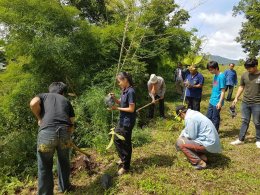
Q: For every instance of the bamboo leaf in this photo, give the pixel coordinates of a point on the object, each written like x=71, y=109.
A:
x=177, y=118
x=111, y=133
x=197, y=59
x=111, y=142
x=120, y=136
x=187, y=61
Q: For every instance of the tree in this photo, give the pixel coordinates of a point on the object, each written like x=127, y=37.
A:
x=81, y=43
x=93, y=10
x=249, y=35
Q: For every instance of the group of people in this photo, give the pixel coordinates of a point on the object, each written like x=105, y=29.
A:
x=200, y=134
x=55, y=117
x=192, y=84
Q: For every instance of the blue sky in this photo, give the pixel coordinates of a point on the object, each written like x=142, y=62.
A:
x=214, y=20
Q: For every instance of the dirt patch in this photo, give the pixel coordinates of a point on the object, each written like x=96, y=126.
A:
x=84, y=163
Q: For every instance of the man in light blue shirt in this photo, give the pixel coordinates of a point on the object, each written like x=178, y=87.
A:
x=231, y=80
x=217, y=94
x=198, y=137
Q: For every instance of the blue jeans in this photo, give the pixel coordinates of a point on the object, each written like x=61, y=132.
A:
x=247, y=110
x=214, y=115
x=51, y=139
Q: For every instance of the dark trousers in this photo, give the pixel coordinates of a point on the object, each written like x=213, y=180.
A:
x=214, y=115
x=247, y=110
x=49, y=140
x=124, y=147
x=194, y=103
x=230, y=91
x=192, y=150
x=161, y=108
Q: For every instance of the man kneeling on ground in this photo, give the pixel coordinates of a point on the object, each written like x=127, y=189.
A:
x=198, y=137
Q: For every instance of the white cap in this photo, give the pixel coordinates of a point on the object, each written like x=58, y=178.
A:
x=153, y=79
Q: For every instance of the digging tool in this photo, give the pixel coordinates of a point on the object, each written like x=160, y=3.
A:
x=72, y=145
x=184, y=98
x=147, y=105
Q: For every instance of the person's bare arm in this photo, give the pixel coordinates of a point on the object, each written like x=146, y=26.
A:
x=222, y=96
x=72, y=128
x=131, y=108
x=197, y=86
x=72, y=120
x=35, y=106
x=117, y=101
x=238, y=94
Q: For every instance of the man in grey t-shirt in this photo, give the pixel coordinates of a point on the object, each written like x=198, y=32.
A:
x=55, y=117
x=250, y=85
x=156, y=89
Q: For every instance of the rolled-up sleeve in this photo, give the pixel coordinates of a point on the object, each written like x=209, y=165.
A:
x=163, y=87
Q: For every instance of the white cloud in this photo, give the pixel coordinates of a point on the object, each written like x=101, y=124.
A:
x=214, y=20
x=222, y=21
x=224, y=28
x=221, y=43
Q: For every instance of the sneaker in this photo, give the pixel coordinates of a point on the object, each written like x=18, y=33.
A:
x=121, y=171
x=237, y=142
x=201, y=165
x=258, y=144
x=71, y=188
x=120, y=162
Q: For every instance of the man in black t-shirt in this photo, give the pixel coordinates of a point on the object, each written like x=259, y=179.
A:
x=55, y=117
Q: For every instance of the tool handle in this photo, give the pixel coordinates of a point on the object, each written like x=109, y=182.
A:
x=146, y=105
x=78, y=149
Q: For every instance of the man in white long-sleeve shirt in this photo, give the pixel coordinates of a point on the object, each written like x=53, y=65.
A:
x=197, y=138
x=156, y=89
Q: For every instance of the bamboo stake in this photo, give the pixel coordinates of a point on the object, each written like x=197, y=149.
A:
x=122, y=47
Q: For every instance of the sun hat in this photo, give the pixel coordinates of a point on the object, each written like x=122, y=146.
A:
x=153, y=79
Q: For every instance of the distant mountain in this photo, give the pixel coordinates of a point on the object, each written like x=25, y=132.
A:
x=222, y=60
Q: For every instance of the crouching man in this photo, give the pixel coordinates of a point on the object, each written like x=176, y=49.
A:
x=55, y=117
x=197, y=138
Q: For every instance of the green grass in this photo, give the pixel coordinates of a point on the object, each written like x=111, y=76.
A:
x=158, y=169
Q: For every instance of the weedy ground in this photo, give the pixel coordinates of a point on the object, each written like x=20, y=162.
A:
x=157, y=168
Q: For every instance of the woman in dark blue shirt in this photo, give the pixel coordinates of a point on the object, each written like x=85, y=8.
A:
x=126, y=120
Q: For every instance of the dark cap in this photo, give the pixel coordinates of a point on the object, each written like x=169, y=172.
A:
x=180, y=108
